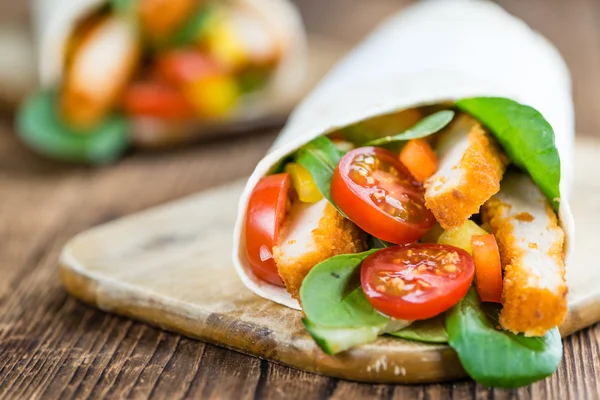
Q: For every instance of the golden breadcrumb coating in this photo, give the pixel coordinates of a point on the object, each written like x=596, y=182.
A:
x=531, y=244
x=91, y=87
x=471, y=167
x=334, y=235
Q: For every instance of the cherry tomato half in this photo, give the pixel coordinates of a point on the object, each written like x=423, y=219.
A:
x=185, y=66
x=372, y=187
x=157, y=100
x=416, y=281
x=264, y=216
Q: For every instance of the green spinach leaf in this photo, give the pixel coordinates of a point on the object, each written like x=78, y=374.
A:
x=338, y=315
x=331, y=294
x=358, y=134
x=127, y=8
x=320, y=157
x=525, y=136
x=41, y=127
x=495, y=357
x=376, y=243
x=427, y=126
x=190, y=30
x=429, y=331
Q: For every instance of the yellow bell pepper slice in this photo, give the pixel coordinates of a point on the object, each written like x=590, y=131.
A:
x=224, y=45
x=214, y=96
x=305, y=186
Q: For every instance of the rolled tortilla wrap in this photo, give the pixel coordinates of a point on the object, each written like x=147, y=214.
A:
x=55, y=20
x=435, y=51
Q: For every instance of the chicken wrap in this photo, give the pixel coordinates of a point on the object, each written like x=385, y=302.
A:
x=157, y=72
x=421, y=191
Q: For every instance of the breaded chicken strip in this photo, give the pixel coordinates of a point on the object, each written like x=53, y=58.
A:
x=160, y=18
x=471, y=165
x=531, y=244
x=313, y=233
x=101, y=64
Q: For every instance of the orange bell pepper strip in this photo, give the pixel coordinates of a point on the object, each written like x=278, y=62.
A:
x=488, y=269
x=420, y=159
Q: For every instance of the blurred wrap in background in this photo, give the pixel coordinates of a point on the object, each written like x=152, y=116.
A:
x=54, y=346
x=148, y=115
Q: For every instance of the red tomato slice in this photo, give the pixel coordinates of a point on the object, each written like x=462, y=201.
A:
x=185, y=66
x=416, y=281
x=264, y=216
x=372, y=187
x=155, y=99
x=488, y=269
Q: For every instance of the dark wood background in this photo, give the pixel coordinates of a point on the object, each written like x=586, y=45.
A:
x=52, y=346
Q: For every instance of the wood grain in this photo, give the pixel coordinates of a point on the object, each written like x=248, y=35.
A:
x=52, y=346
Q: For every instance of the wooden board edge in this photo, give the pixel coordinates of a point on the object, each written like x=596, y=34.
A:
x=581, y=315
x=442, y=364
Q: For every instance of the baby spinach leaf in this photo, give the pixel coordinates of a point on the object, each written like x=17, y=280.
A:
x=253, y=79
x=495, y=357
x=331, y=294
x=335, y=340
x=427, y=126
x=376, y=243
x=190, y=30
x=41, y=127
x=320, y=157
x=429, y=331
x=526, y=137
x=359, y=134
x=125, y=8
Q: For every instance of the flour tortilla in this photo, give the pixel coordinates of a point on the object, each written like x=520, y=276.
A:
x=55, y=20
x=433, y=52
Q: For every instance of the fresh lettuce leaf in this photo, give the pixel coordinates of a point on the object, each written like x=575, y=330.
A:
x=127, y=8
x=190, y=30
x=331, y=294
x=320, y=157
x=376, y=243
x=427, y=126
x=495, y=357
x=41, y=127
x=338, y=315
x=526, y=137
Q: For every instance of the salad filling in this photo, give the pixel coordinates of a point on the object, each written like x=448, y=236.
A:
x=441, y=231
x=158, y=61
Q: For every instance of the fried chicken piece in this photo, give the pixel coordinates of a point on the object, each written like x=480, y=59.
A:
x=160, y=18
x=313, y=232
x=98, y=69
x=531, y=244
x=471, y=165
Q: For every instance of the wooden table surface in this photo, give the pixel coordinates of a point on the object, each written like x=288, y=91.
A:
x=52, y=346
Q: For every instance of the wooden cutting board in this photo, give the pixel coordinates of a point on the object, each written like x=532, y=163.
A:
x=171, y=267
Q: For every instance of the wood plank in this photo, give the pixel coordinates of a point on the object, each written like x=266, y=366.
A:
x=222, y=374
x=43, y=203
